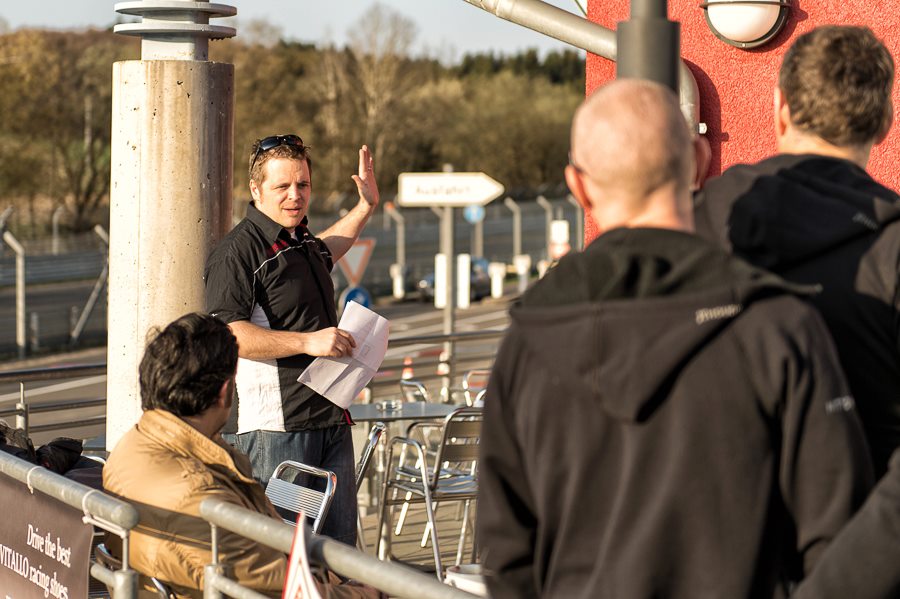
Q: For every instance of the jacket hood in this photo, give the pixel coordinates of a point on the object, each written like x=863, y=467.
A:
x=793, y=207
x=666, y=294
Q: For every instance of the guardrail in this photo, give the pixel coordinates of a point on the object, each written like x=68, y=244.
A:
x=384, y=383
x=120, y=517
x=101, y=510
x=391, y=578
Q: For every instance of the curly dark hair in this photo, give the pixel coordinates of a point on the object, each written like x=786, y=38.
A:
x=837, y=82
x=186, y=364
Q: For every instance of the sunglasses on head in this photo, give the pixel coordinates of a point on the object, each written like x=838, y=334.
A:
x=273, y=141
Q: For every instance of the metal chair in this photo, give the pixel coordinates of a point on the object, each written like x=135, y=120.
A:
x=362, y=468
x=450, y=476
x=290, y=497
x=474, y=382
x=106, y=559
x=413, y=390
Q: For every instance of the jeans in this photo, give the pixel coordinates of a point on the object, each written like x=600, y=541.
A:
x=329, y=448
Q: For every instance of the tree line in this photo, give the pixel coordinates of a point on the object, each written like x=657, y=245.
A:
x=506, y=115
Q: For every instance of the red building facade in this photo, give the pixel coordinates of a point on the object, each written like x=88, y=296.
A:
x=736, y=85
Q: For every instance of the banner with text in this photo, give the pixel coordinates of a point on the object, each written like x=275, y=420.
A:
x=45, y=547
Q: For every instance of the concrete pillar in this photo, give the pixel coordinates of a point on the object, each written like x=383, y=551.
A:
x=172, y=148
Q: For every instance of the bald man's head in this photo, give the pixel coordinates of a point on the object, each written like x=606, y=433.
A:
x=629, y=139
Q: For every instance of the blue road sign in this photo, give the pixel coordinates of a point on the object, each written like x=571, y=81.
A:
x=473, y=213
x=355, y=294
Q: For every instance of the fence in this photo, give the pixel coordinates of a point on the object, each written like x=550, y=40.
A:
x=100, y=510
x=120, y=517
x=394, y=579
x=53, y=313
x=384, y=384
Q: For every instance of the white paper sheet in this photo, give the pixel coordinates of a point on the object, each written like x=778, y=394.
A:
x=341, y=379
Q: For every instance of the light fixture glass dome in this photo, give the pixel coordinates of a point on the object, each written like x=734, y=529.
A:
x=746, y=23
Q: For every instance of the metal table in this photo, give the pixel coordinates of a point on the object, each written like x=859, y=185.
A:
x=415, y=410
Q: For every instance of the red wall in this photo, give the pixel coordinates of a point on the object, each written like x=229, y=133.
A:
x=736, y=85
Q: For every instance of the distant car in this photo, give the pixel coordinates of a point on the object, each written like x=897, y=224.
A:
x=479, y=282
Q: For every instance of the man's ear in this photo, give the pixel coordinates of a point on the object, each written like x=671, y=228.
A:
x=782, y=114
x=702, y=159
x=223, y=399
x=886, y=127
x=576, y=186
x=254, y=190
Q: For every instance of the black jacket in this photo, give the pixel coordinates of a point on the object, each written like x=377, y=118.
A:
x=820, y=220
x=862, y=562
x=663, y=420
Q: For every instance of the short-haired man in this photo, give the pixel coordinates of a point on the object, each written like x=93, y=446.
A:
x=813, y=215
x=174, y=458
x=662, y=420
x=269, y=279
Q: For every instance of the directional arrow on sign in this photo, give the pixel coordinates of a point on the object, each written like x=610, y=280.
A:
x=446, y=189
x=353, y=263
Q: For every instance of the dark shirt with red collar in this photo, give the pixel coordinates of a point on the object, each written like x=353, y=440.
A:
x=261, y=274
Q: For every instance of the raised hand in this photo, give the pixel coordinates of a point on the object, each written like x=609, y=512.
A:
x=365, y=179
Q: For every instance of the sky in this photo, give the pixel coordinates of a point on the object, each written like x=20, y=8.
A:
x=446, y=28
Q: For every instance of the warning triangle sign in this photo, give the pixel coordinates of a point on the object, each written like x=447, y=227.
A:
x=353, y=264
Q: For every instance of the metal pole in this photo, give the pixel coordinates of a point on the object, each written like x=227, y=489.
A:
x=447, y=234
x=478, y=239
x=649, y=44
x=581, y=33
x=398, y=269
x=22, y=410
x=35, y=326
x=579, y=221
x=99, y=284
x=55, y=222
x=395, y=215
x=13, y=243
x=4, y=217
x=517, y=225
x=548, y=219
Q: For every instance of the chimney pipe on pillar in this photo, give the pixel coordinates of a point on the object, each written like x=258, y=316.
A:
x=648, y=45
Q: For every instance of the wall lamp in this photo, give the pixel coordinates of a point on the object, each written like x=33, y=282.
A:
x=746, y=23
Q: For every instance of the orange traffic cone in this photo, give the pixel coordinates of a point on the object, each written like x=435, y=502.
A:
x=407, y=369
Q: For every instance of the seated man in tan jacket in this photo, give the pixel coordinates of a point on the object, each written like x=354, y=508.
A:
x=174, y=458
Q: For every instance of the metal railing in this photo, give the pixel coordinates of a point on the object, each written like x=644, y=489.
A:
x=100, y=509
x=383, y=385
x=391, y=578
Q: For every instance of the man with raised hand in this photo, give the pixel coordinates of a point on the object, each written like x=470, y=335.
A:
x=270, y=280
x=812, y=215
x=663, y=420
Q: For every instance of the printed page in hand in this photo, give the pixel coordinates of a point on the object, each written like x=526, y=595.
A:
x=341, y=379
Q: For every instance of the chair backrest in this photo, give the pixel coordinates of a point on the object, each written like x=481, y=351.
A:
x=460, y=438
x=293, y=497
x=111, y=562
x=413, y=390
x=368, y=450
x=473, y=383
